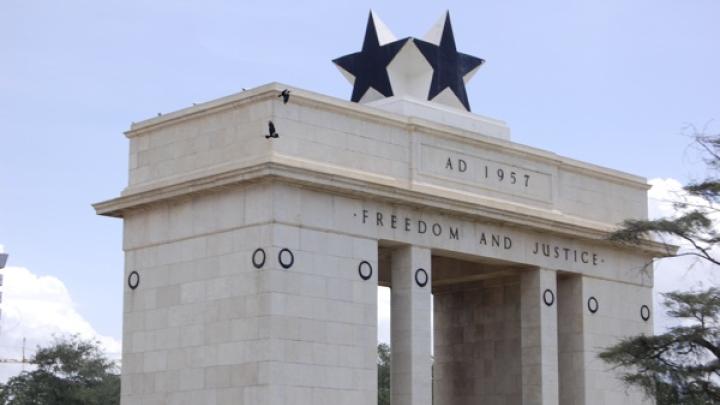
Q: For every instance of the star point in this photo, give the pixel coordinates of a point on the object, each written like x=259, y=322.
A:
x=449, y=66
x=368, y=67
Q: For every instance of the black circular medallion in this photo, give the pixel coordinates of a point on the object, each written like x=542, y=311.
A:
x=365, y=270
x=645, y=312
x=133, y=280
x=421, y=277
x=286, y=258
x=548, y=297
x=593, y=305
x=258, y=258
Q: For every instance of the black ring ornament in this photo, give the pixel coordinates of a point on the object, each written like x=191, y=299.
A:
x=285, y=263
x=365, y=275
x=593, y=305
x=421, y=277
x=258, y=263
x=133, y=280
x=645, y=312
x=548, y=297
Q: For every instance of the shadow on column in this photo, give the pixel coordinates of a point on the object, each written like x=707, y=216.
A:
x=477, y=332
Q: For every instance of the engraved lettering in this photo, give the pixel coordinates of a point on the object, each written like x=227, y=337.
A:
x=546, y=250
x=584, y=257
x=485, y=239
x=454, y=233
x=422, y=226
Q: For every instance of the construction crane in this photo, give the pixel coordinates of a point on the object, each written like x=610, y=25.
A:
x=22, y=361
x=3, y=260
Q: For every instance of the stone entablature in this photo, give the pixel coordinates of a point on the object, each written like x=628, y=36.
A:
x=349, y=146
x=304, y=208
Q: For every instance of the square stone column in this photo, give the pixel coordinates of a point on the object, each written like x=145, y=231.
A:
x=410, y=329
x=539, y=337
x=571, y=340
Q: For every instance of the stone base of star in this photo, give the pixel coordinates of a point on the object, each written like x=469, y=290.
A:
x=444, y=115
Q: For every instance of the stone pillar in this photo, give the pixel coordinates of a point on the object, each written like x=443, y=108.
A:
x=571, y=340
x=538, y=301
x=410, y=329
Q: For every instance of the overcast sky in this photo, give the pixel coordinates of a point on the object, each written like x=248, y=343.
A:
x=612, y=82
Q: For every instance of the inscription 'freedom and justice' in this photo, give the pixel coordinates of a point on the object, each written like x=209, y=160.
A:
x=486, y=239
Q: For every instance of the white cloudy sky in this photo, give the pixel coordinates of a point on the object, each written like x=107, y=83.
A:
x=37, y=308
x=682, y=273
x=551, y=69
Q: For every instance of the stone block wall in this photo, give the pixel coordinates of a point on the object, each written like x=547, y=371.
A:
x=206, y=326
x=477, y=343
x=582, y=334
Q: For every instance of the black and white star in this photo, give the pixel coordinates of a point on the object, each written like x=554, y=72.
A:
x=431, y=69
x=450, y=67
x=369, y=66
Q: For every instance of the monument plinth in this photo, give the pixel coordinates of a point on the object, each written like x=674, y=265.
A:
x=252, y=262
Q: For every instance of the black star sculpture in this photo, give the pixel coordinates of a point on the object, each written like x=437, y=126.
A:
x=369, y=66
x=449, y=65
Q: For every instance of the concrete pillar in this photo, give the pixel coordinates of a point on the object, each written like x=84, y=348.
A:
x=410, y=330
x=539, y=337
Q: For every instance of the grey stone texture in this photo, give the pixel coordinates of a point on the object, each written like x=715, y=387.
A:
x=477, y=343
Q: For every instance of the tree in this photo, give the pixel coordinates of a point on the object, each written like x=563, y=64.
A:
x=682, y=365
x=695, y=222
x=383, y=374
x=70, y=371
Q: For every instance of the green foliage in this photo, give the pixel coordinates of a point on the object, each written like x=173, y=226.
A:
x=71, y=371
x=383, y=374
x=694, y=223
x=695, y=227
x=680, y=366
